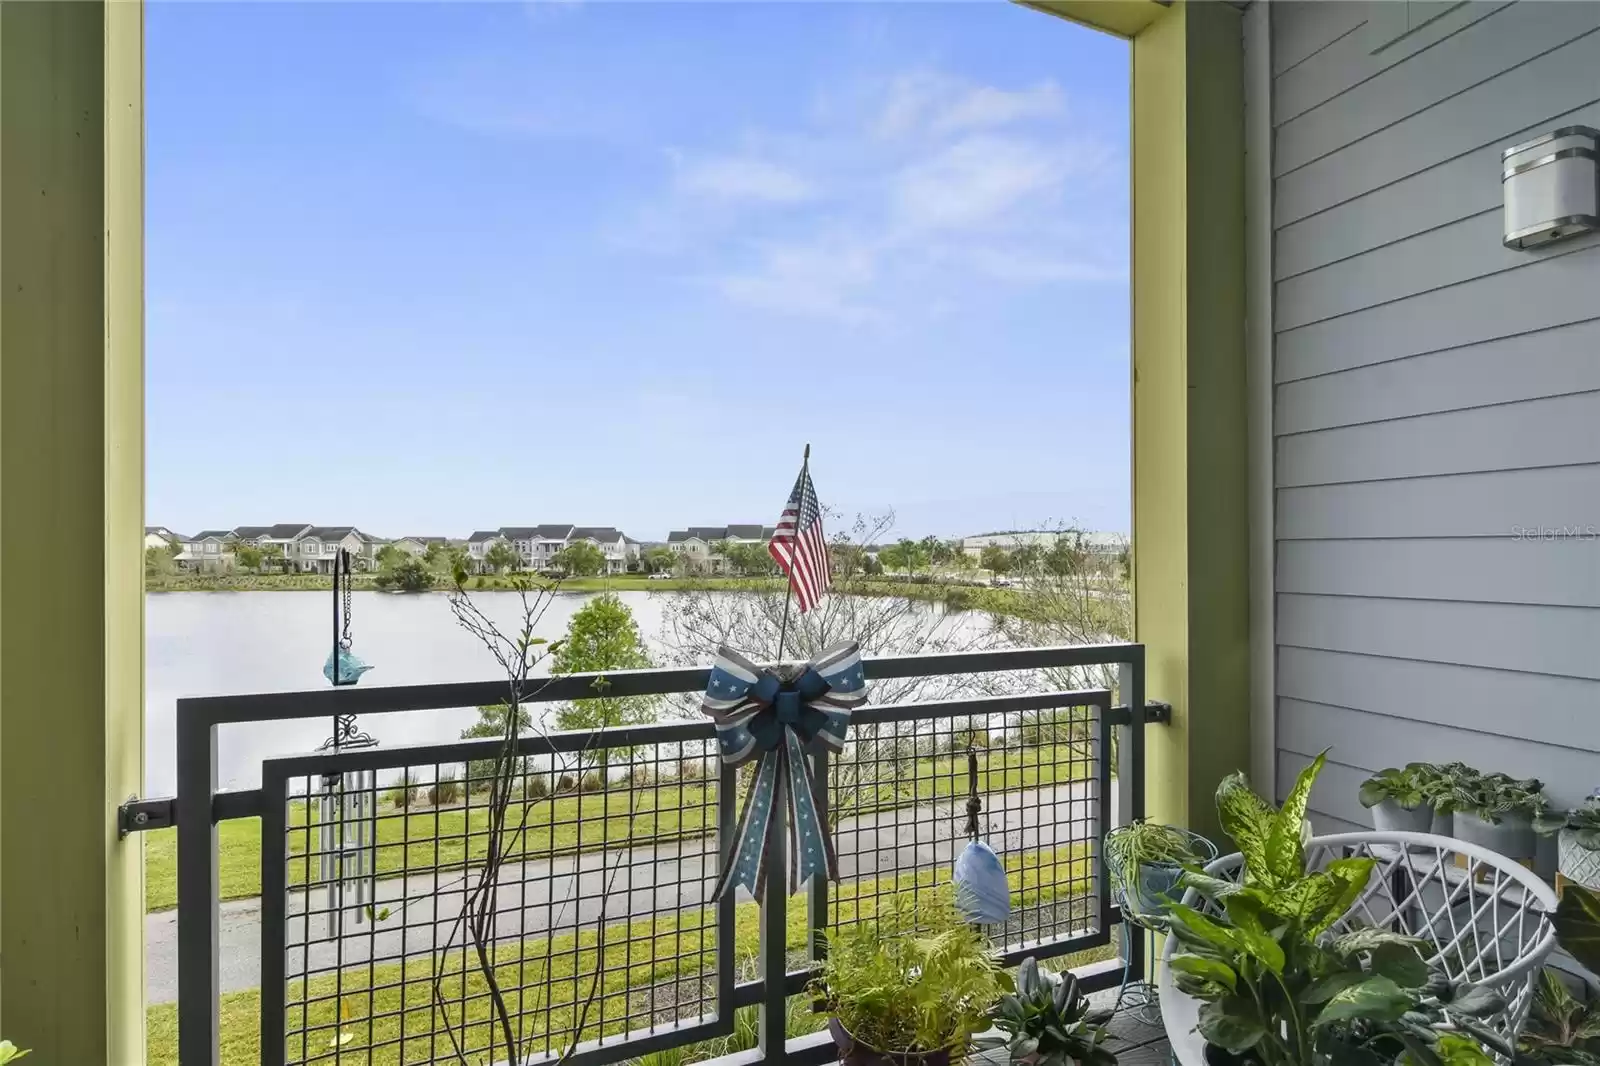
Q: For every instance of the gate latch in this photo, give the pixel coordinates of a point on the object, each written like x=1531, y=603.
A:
x=137, y=815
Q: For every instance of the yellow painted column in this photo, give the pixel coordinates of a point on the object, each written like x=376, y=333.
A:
x=1190, y=513
x=71, y=499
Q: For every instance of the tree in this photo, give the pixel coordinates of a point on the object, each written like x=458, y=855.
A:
x=659, y=560
x=502, y=557
x=248, y=557
x=158, y=562
x=1073, y=597
x=446, y=559
x=580, y=559
x=493, y=721
x=271, y=557
x=603, y=636
x=409, y=575
x=389, y=556
x=996, y=560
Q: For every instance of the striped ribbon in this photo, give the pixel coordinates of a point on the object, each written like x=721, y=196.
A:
x=762, y=715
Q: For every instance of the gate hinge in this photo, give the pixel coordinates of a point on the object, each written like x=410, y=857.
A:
x=137, y=815
x=1156, y=711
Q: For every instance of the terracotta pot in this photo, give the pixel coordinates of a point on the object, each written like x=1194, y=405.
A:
x=854, y=1053
x=1390, y=817
x=1512, y=836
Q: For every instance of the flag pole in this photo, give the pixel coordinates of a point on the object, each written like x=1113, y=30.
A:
x=788, y=592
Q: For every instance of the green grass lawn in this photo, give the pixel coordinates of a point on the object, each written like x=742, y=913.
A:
x=429, y=839
x=402, y=992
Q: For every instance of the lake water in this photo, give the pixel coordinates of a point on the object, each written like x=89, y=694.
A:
x=221, y=643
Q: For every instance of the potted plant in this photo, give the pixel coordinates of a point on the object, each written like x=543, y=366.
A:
x=1439, y=789
x=1147, y=858
x=1047, y=1021
x=1396, y=800
x=1276, y=987
x=1577, y=834
x=909, y=987
x=1561, y=1029
x=1496, y=811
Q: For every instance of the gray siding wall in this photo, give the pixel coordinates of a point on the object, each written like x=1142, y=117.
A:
x=1433, y=392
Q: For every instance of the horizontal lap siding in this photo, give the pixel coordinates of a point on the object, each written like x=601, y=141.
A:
x=1436, y=400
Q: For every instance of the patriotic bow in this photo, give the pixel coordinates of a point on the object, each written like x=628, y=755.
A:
x=759, y=713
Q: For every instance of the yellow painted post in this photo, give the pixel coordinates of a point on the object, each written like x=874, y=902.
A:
x=71, y=488
x=1190, y=510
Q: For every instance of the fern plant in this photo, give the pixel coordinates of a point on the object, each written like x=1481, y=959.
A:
x=915, y=979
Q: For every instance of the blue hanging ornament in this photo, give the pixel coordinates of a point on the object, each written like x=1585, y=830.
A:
x=344, y=667
x=982, y=895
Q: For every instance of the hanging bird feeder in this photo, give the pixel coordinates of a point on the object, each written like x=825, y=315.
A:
x=982, y=895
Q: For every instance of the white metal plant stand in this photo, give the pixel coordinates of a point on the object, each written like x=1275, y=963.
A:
x=1484, y=919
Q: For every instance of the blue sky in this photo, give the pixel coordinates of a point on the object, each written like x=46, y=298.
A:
x=430, y=268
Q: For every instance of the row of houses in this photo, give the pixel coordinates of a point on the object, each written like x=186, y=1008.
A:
x=307, y=548
x=537, y=546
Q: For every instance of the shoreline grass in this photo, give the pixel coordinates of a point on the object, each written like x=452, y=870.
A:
x=667, y=813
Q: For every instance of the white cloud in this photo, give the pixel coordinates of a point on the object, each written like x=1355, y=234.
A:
x=972, y=182
x=986, y=105
x=924, y=103
x=823, y=279
x=895, y=199
x=739, y=178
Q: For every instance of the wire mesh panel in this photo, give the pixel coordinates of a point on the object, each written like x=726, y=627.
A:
x=497, y=912
x=900, y=800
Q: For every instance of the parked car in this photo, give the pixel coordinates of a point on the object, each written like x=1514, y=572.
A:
x=660, y=575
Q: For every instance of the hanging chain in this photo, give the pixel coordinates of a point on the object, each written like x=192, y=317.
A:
x=344, y=561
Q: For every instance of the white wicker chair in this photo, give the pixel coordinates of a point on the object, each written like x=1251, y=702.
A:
x=1485, y=919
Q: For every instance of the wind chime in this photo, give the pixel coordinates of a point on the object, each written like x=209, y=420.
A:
x=345, y=808
x=982, y=895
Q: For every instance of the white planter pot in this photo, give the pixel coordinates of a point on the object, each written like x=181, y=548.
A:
x=1444, y=825
x=1577, y=863
x=1512, y=836
x=1390, y=817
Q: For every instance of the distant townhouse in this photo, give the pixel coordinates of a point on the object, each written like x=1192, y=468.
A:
x=612, y=544
x=699, y=545
x=418, y=546
x=208, y=551
x=478, y=546
x=161, y=537
x=317, y=548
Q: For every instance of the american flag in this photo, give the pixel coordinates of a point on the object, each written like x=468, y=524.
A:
x=800, y=546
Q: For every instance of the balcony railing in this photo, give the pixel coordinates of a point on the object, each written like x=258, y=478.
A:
x=599, y=928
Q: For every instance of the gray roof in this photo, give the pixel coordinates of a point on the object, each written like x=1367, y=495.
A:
x=605, y=534
x=425, y=540
x=333, y=532
x=519, y=532
x=163, y=531
x=482, y=535
x=213, y=534
x=556, y=531
x=251, y=531
x=745, y=532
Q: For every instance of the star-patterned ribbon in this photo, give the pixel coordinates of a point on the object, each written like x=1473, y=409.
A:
x=759, y=714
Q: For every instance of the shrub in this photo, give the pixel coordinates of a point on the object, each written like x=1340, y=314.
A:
x=445, y=790
x=566, y=783
x=535, y=786
x=691, y=769
x=404, y=794
x=593, y=781
x=641, y=775
x=960, y=599
x=480, y=775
